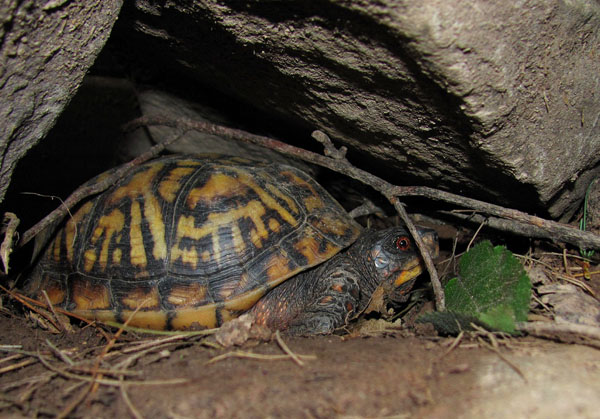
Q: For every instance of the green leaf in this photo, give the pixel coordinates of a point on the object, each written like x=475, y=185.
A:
x=492, y=287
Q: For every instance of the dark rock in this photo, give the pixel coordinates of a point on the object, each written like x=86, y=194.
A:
x=46, y=47
x=492, y=99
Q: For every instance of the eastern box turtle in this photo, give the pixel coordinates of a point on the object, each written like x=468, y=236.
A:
x=193, y=242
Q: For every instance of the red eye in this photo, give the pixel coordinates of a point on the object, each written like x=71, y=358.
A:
x=403, y=243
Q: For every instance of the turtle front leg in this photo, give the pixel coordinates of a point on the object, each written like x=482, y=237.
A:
x=316, y=302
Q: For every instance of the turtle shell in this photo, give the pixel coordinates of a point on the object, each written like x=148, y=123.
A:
x=185, y=242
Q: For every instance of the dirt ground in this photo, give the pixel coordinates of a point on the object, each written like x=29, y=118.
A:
x=392, y=374
x=403, y=371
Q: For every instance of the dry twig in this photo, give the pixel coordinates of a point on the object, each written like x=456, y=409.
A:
x=63, y=356
x=508, y=362
x=134, y=412
x=82, y=371
x=17, y=366
x=564, y=332
x=287, y=350
x=107, y=381
x=9, y=229
x=252, y=355
x=58, y=322
x=493, y=345
x=559, y=231
x=454, y=344
x=32, y=304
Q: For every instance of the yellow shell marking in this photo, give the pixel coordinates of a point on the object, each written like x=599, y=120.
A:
x=116, y=256
x=89, y=258
x=311, y=202
x=326, y=223
x=87, y=296
x=267, y=199
x=56, y=248
x=143, y=319
x=219, y=184
x=141, y=299
x=137, y=186
x=186, y=228
x=102, y=315
x=56, y=295
x=279, y=194
x=153, y=214
x=170, y=185
x=187, y=295
x=309, y=247
x=274, y=225
x=138, y=252
x=202, y=316
x=187, y=256
x=223, y=185
x=188, y=162
x=278, y=268
x=140, y=186
x=107, y=226
x=245, y=301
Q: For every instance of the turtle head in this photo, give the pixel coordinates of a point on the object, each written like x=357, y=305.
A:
x=393, y=260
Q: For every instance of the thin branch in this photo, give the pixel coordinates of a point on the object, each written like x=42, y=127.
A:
x=539, y=227
x=454, y=344
x=17, y=366
x=64, y=357
x=61, y=327
x=508, y=362
x=564, y=332
x=542, y=227
x=440, y=302
x=31, y=304
x=287, y=350
x=132, y=409
x=9, y=229
x=110, y=382
x=252, y=355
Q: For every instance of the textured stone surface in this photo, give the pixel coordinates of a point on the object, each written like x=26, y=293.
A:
x=494, y=99
x=556, y=381
x=46, y=47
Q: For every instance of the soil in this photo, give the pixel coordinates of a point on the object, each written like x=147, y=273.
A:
x=385, y=370
x=390, y=374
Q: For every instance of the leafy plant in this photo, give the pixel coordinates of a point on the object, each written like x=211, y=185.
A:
x=492, y=290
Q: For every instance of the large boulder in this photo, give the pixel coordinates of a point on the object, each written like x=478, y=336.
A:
x=493, y=99
x=46, y=48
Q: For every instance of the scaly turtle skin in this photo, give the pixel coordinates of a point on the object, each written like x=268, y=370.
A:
x=193, y=242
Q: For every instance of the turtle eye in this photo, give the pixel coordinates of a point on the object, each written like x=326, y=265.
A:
x=403, y=243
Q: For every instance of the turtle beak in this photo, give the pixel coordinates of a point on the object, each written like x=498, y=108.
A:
x=409, y=273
